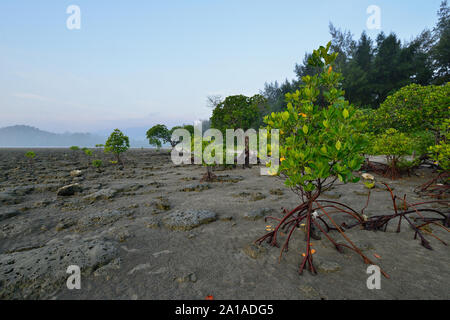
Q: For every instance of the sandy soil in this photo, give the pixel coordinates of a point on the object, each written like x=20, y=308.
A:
x=120, y=227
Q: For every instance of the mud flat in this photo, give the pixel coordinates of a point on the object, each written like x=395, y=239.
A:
x=151, y=230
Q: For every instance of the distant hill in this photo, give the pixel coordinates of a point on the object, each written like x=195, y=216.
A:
x=27, y=136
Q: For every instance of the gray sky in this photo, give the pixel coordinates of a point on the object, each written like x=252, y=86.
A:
x=138, y=63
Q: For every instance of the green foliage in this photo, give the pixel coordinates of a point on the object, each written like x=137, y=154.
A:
x=317, y=143
x=414, y=108
x=74, y=148
x=238, y=112
x=87, y=152
x=159, y=135
x=117, y=143
x=99, y=145
x=369, y=184
x=373, y=70
x=440, y=153
x=97, y=163
x=30, y=155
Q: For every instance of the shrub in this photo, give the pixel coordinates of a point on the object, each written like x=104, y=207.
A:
x=30, y=155
x=394, y=145
x=414, y=108
x=440, y=153
x=74, y=148
x=97, y=163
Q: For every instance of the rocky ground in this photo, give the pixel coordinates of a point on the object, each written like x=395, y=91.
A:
x=151, y=230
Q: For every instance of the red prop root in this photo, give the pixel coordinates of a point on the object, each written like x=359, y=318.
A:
x=315, y=215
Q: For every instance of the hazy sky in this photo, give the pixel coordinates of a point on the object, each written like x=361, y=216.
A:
x=137, y=63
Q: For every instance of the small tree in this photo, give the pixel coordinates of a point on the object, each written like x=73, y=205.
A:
x=159, y=135
x=117, y=143
x=30, y=155
x=318, y=145
x=395, y=146
x=88, y=153
x=97, y=163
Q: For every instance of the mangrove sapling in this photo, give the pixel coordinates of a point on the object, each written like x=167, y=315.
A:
x=439, y=186
x=30, y=155
x=395, y=146
x=97, y=163
x=318, y=146
x=117, y=143
x=88, y=154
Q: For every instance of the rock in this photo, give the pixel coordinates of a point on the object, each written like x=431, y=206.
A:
x=108, y=269
x=104, y=194
x=130, y=187
x=62, y=225
x=254, y=251
x=328, y=266
x=161, y=203
x=69, y=190
x=8, y=198
x=310, y=292
x=191, y=277
x=332, y=195
x=195, y=187
x=257, y=214
x=368, y=176
x=151, y=222
x=94, y=220
x=276, y=192
x=140, y=267
x=33, y=274
x=9, y=214
x=76, y=173
x=226, y=217
x=41, y=204
x=157, y=254
x=255, y=196
x=21, y=190
x=159, y=270
x=188, y=219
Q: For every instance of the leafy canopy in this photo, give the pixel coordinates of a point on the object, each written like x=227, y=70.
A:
x=159, y=134
x=317, y=143
x=238, y=112
x=117, y=143
x=414, y=108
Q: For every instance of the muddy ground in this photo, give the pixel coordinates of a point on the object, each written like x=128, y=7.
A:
x=151, y=230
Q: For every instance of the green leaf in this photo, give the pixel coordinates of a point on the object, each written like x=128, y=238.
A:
x=338, y=145
x=305, y=129
x=325, y=123
x=345, y=113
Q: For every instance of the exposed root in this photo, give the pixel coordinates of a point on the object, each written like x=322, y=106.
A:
x=316, y=215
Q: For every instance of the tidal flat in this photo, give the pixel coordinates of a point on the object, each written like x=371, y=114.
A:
x=152, y=230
